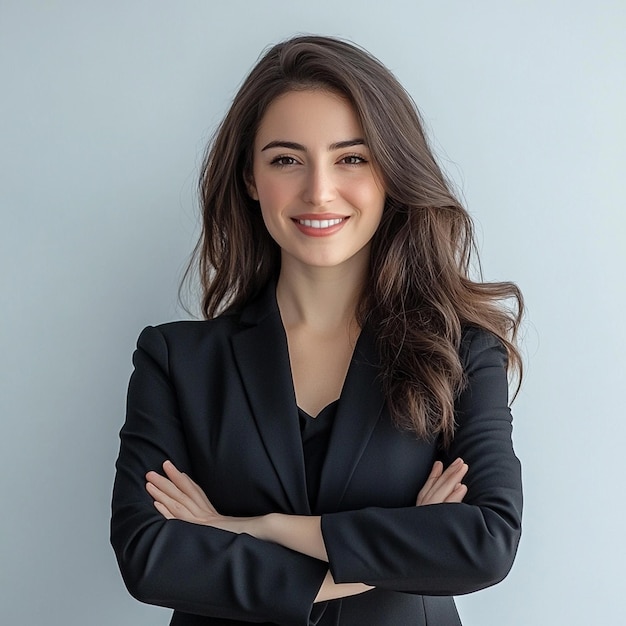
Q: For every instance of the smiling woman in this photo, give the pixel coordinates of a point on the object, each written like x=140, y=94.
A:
x=332, y=445
x=320, y=196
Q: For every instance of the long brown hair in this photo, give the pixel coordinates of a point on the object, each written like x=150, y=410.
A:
x=420, y=294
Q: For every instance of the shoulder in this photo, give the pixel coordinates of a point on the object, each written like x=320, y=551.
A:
x=194, y=330
x=184, y=339
x=481, y=348
x=184, y=342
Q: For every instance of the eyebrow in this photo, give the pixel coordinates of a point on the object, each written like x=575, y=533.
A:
x=292, y=145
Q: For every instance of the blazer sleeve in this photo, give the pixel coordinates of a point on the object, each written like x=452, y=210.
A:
x=188, y=567
x=453, y=548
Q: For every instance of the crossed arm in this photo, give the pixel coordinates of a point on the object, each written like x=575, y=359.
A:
x=176, y=496
x=197, y=568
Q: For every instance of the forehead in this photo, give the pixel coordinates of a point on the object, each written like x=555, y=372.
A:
x=309, y=116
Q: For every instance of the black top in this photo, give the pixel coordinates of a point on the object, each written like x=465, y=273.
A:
x=216, y=397
x=315, y=433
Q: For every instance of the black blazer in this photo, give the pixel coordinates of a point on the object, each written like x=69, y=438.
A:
x=216, y=397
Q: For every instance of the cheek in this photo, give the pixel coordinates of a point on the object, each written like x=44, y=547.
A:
x=272, y=195
x=271, y=205
x=370, y=200
x=365, y=192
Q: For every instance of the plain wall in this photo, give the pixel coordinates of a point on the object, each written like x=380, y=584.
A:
x=105, y=109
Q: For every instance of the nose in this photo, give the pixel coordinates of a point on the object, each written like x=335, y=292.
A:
x=319, y=187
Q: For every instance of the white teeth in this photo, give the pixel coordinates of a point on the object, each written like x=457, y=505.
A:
x=321, y=223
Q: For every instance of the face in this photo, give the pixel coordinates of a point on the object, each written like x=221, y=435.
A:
x=320, y=195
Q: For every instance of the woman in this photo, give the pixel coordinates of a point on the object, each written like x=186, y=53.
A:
x=332, y=445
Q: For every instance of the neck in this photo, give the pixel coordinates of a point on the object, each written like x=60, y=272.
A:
x=322, y=299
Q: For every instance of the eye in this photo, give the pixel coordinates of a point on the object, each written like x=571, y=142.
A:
x=283, y=161
x=353, y=159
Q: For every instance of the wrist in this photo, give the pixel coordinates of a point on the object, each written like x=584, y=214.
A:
x=257, y=526
x=265, y=527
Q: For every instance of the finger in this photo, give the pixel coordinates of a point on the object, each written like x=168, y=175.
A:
x=457, y=494
x=438, y=475
x=166, y=486
x=453, y=471
x=448, y=481
x=165, y=504
x=190, y=487
x=163, y=510
x=162, y=496
x=186, y=485
x=177, y=477
x=164, y=489
x=457, y=468
x=444, y=485
x=178, y=490
x=435, y=473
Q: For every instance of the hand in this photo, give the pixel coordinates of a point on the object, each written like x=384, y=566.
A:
x=444, y=486
x=179, y=497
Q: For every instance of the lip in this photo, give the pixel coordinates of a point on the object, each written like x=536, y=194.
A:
x=310, y=231
x=319, y=216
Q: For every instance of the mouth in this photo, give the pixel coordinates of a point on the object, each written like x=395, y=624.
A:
x=311, y=226
x=321, y=224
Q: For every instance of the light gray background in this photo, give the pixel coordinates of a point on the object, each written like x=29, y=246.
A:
x=104, y=112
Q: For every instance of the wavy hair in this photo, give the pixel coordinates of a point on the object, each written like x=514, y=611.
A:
x=420, y=292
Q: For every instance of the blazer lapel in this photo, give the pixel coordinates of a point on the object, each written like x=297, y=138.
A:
x=262, y=357
x=358, y=412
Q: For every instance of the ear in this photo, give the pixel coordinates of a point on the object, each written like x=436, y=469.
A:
x=251, y=187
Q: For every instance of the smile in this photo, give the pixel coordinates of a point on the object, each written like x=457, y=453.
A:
x=320, y=223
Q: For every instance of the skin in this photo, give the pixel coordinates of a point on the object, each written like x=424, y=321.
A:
x=310, y=160
x=311, y=167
